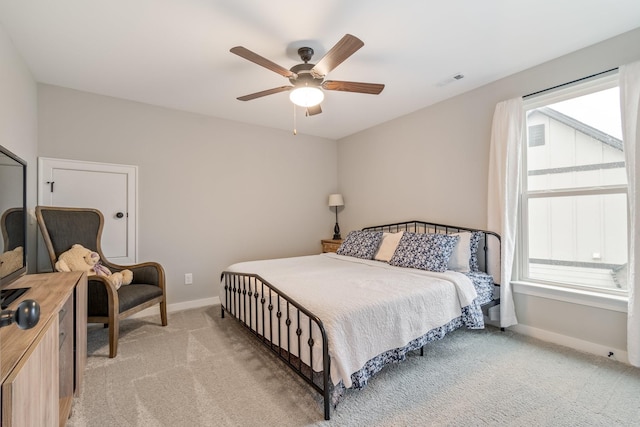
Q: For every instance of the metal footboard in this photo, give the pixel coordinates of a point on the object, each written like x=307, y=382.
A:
x=284, y=326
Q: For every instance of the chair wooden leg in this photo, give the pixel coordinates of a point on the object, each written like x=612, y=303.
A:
x=163, y=313
x=114, y=329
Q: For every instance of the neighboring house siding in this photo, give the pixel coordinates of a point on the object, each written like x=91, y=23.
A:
x=574, y=155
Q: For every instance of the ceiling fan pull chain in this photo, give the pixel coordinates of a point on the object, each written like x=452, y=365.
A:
x=295, y=131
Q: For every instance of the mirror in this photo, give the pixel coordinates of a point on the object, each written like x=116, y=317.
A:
x=13, y=178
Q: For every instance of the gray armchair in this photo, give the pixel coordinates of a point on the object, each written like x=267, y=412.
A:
x=63, y=227
x=12, y=225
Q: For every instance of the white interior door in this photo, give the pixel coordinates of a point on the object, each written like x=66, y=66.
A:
x=112, y=189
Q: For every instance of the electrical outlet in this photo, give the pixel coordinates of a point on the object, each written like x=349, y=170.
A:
x=188, y=278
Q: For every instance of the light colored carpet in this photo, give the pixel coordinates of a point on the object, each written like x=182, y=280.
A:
x=202, y=370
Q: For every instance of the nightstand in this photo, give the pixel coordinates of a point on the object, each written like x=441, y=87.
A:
x=330, y=245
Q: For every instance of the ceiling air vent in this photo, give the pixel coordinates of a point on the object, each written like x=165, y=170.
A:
x=457, y=76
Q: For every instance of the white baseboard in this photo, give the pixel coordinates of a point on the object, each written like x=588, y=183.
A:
x=575, y=343
x=566, y=341
x=178, y=306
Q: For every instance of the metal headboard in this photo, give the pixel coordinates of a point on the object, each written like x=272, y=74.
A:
x=489, y=248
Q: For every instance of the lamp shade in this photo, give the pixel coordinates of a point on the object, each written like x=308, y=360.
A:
x=306, y=96
x=336, y=200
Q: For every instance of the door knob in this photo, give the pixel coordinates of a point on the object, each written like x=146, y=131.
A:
x=119, y=215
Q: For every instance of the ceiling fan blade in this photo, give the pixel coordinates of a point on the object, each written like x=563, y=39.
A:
x=370, y=88
x=346, y=47
x=312, y=111
x=264, y=93
x=264, y=62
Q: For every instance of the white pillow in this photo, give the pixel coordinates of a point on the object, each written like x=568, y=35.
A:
x=459, y=260
x=388, y=246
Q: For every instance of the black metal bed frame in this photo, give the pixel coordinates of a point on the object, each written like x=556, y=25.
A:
x=247, y=296
x=263, y=310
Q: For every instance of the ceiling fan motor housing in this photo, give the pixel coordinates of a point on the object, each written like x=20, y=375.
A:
x=303, y=75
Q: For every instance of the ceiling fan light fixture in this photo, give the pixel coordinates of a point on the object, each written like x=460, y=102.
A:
x=306, y=96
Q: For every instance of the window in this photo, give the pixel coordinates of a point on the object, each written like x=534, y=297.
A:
x=573, y=220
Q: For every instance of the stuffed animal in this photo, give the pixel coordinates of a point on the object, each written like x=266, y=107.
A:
x=10, y=261
x=79, y=258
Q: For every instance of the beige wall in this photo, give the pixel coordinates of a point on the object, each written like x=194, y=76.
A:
x=433, y=165
x=18, y=122
x=211, y=192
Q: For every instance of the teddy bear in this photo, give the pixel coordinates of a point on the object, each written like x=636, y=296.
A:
x=79, y=258
x=11, y=261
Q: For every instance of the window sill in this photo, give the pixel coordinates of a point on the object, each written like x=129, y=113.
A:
x=574, y=296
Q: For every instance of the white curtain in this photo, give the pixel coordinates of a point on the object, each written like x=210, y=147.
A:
x=629, y=106
x=507, y=132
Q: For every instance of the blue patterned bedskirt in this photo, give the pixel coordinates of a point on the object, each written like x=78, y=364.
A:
x=471, y=317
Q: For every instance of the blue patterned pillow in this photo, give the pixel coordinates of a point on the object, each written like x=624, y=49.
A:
x=475, y=241
x=424, y=251
x=360, y=244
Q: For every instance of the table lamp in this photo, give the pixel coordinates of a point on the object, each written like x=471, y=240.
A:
x=336, y=200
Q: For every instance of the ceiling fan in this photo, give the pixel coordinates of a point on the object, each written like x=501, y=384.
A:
x=307, y=80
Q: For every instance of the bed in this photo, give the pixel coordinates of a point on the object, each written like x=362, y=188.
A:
x=336, y=319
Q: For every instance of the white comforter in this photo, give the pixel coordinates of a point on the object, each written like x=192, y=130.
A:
x=367, y=307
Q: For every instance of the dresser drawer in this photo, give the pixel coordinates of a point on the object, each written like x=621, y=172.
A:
x=330, y=245
x=65, y=346
x=65, y=320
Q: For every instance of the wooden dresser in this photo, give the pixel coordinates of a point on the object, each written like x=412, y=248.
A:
x=42, y=367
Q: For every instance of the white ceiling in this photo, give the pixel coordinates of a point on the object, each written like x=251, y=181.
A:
x=175, y=53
